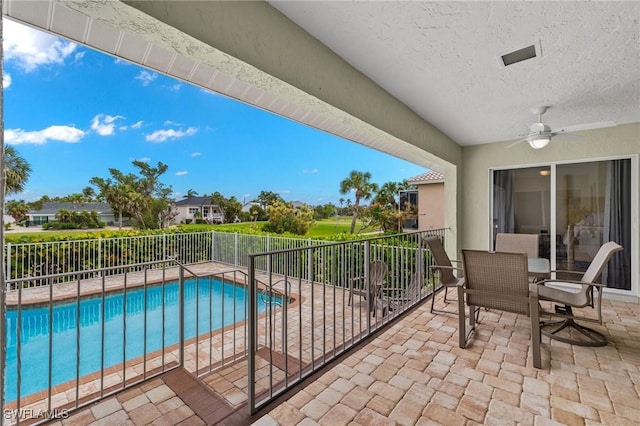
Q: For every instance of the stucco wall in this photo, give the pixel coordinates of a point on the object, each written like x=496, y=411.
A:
x=475, y=191
x=430, y=206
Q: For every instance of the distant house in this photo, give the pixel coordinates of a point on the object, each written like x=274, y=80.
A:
x=429, y=199
x=49, y=210
x=246, y=207
x=198, y=208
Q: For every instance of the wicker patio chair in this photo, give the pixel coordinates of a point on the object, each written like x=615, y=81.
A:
x=578, y=294
x=444, y=269
x=517, y=243
x=498, y=281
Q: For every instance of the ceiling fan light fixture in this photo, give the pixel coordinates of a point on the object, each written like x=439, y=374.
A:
x=539, y=143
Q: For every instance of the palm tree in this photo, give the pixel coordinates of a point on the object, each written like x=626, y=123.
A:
x=190, y=194
x=17, y=170
x=362, y=187
x=386, y=196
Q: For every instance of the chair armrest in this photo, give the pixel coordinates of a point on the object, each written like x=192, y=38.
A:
x=543, y=282
x=564, y=271
x=445, y=267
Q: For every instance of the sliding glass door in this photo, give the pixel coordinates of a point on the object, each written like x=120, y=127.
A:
x=522, y=204
x=574, y=208
x=593, y=206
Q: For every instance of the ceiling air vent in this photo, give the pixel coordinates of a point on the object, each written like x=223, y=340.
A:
x=520, y=55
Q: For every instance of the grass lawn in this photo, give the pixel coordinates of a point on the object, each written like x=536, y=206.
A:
x=322, y=228
x=14, y=236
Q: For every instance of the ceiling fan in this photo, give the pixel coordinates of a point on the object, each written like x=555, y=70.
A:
x=540, y=134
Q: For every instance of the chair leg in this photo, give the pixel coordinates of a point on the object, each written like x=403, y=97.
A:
x=591, y=337
x=535, y=332
x=462, y=332
x=574, y=333
x=433, y=299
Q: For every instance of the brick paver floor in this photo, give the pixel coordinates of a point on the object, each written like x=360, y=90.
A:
x=415, y=373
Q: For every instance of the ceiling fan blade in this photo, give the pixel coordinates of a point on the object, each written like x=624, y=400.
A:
x=586, y=126
x=515, y=143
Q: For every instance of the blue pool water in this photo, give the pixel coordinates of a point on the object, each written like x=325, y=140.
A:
x=34, y=333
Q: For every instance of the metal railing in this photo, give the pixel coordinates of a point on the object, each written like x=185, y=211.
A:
x=79, y=340
x=295, y=340
x=119, y=255
x=148, y=313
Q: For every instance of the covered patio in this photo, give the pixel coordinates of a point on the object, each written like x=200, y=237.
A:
x=449, y=108
x=414, y=373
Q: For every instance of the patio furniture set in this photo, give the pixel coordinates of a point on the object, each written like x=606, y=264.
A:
x=512, y=279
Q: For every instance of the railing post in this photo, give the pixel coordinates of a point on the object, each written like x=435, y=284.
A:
x=8, y=258
x=253, y=302
x=367, y=261
x=181, y=313
x=213, y=246
x=164, y=246
x=235, y=249
x=100, y=256
x=268, y=246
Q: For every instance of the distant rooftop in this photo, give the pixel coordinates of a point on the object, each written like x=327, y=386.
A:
x=52, y=207
x=195, y=201
x=430, y=177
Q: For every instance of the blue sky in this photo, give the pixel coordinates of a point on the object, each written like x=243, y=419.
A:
x=73, y=113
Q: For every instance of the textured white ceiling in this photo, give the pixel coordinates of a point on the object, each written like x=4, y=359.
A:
x=442, y=59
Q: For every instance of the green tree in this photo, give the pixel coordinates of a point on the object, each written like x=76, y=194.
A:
x=17, y=170
x=116, y=193
x=257, y=213
x=143, y=197
x=325, y=211
x=283, y=217
x=385, y=217
x=232, y=209
x=387, y=193
x=190, y=194
x=17, y=210
x=89, y=194
x=267, y=198
x=359, y=183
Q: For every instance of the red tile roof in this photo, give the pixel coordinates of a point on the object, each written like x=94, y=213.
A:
x=429, y=177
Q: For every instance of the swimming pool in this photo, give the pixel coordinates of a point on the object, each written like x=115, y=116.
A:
x=34, y=335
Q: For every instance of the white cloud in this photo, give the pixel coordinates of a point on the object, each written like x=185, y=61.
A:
x=163, y=135
x=6, y=80
x=104, y=124
x=176, y=87
x=67, y=134
x=196, y=154
x=31, y=48
x=137, y=124
x=146, y=77
x=170, y=123
x=144, y=159
x=310, y=171
x=181, y=173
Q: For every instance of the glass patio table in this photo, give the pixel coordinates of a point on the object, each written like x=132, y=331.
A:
x=539, y=268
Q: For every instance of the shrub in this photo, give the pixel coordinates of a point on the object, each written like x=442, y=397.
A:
x=283, y=217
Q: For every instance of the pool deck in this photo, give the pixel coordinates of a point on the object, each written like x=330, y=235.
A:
x=220, y=361
x=411, y=373
x=414, y=373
